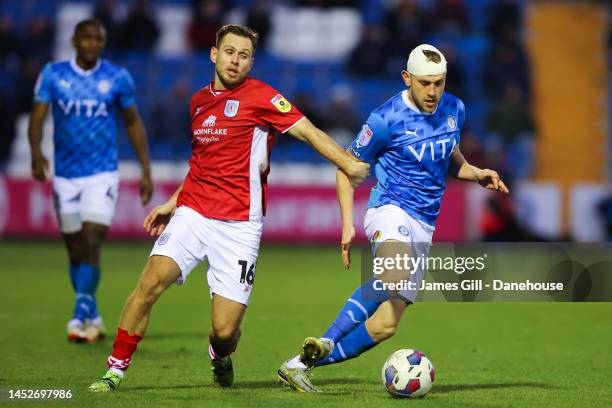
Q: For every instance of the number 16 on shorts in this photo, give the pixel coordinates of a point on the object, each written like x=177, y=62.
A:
x=248, y=272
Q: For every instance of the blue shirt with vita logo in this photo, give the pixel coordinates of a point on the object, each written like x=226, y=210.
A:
x=410, y=151
x=83, y=105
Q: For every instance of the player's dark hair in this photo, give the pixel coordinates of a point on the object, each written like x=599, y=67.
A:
x=238, y=30
x=432, y=56
x=83, y=23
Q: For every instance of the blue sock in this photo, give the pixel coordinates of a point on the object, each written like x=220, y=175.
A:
x=358, y=308
x=87, y=281
x=74, y=272
x=354, y=344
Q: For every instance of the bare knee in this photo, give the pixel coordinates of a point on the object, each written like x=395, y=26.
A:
x=93, y=236
x=75, y=244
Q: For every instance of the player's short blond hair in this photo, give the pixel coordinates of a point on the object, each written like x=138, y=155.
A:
x=432, y=56
x=242, y=31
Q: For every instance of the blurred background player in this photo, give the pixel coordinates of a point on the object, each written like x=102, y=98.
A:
x=84, y=94
x=217, y=213
x=411, y=140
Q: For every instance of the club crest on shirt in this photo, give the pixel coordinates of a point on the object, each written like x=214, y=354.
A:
x=364, y=136
x=281, y=103
x=163, y=238
x=231, y=108
x=104, y=86
x=451, y=122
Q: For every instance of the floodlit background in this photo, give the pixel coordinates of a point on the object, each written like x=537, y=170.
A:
x=535, y=80
x=533, y=75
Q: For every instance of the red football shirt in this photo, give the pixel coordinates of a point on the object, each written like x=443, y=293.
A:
x=233, y=132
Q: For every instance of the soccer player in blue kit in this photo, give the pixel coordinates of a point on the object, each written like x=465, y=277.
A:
x=412, y=141
x=84, y=94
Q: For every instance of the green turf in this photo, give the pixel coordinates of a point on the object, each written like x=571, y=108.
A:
x=485, y=354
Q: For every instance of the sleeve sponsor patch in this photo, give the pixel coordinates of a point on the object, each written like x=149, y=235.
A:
x=364, y=136
x=281, y=103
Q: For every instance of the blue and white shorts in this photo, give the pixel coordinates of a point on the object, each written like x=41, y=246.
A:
x=85, y=199
x=390, y=222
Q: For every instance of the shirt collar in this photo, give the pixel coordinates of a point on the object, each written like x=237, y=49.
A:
x=83, y=72
x=215, y=92
x=212, y=90
x=412, y=106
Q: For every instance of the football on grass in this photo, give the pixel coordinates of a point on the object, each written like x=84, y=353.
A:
x=408, y=374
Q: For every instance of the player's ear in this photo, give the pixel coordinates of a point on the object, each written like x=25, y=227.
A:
x=406, y=77
x=213, y=54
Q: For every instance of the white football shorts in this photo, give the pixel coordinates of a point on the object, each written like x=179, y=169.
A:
x=390, y=222
x=85, y=199
x=230, y=247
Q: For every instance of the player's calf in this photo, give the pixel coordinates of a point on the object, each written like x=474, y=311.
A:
x=224, y=336
x=380, y=331
x=225, y=339
x=384, y=323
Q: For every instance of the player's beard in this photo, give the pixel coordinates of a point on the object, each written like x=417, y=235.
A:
x=229, y=83
x=421, y=104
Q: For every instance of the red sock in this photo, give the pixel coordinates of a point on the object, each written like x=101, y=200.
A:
x=123, y=348
x=214, y=355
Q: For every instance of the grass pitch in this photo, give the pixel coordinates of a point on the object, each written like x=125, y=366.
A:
x=485, y=354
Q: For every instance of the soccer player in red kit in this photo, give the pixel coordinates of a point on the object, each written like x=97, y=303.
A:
x=216, y=214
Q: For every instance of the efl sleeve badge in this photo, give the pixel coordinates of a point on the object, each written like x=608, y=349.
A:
x=281, y=103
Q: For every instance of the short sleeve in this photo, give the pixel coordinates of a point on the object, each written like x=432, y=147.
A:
x=43, y=90
x=278, y=111
x=371, y=140
x=126, y=94
x=461, y=115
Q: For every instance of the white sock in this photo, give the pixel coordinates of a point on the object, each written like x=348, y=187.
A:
x=296, y=363
x=117, y=371
x=333, y=343
x=75, y=323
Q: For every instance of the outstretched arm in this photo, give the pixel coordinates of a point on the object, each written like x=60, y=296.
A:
x=345, y=192
x=40, y=165
x=487, y=178
x=356, y=171
x=138, y=137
